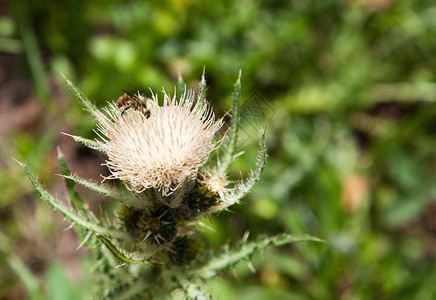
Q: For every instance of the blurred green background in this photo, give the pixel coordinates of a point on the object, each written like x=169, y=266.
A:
x=346, y=89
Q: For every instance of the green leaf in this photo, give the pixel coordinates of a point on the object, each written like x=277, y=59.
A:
x=243, y=251
x=232, y=196
x=74, y=197
x=130, y=290
x=229, y=154
x=202, y=92
x=118, y=253
x=75, y=200
x=76, y=218
x=82, y=98
x=87, y=142
x=190, y=289
x=119, y=194
x=181, y=87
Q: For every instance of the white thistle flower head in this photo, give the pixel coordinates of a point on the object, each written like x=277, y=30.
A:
x=163, y=150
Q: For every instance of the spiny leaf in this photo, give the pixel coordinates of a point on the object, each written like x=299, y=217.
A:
x=117, y=252
x=202, y=91
x=74, y=197
x=127, y=290
x=76, y=201
x=82, y=98
x=188, y=288
x=181, y=88
x=229, y=153
x=119, y=194
x=244, y=250
x=75, y=217
x=232, y=196
x=87, y=142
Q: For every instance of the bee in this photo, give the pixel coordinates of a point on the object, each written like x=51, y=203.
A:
x=137, y=102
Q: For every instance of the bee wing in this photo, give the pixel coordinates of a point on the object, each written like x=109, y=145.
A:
x=130, y=94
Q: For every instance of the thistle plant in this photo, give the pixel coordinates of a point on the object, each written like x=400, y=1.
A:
x=167, y=183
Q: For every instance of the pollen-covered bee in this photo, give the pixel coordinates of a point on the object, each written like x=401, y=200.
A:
x=137, y=102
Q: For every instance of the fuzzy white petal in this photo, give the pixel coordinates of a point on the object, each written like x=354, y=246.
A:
x=162, y=151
